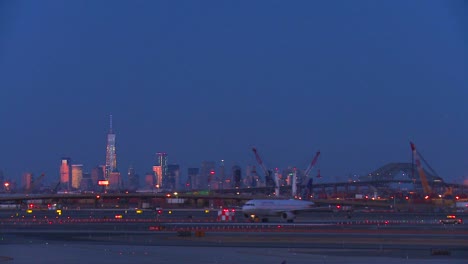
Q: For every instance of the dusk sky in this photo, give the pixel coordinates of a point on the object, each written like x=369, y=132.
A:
x=207, y=80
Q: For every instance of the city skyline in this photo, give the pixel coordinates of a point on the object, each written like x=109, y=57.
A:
x=159, y=170
x=207, y=81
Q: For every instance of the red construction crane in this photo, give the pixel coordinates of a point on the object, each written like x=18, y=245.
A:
x=312, y=164
x=268, y=178
x=422, y=174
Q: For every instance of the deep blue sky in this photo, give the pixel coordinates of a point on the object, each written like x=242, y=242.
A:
x=207, y=80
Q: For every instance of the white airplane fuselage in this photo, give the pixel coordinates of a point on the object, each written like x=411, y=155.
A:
x=287, y=209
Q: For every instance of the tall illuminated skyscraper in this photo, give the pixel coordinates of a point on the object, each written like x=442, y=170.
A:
x=77, y=176
x=161, y=160
x=111, y=158
x=65, y=174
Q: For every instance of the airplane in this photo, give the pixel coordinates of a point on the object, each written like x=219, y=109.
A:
x=256, y=210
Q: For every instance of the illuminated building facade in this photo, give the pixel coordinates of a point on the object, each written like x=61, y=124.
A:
x=111, y=156
x=161, y=160
x=65, y=174
x=157, y=172
x=77, y=176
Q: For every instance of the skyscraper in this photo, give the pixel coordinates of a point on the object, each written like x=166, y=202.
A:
x=115, y=181
x=237, y=176
x=97, y=174
x=133, y=181
x=65, y=174
x=161, y=160
x=157, y=175
x=86, y=182
x=193, y=178
x=111, y=157
x=77, y=175
x=207, y=174
x=172, y=181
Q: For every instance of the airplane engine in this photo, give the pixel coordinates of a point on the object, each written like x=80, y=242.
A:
x=288, y=216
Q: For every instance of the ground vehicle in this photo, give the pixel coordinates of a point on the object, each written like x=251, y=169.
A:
x=451, y=219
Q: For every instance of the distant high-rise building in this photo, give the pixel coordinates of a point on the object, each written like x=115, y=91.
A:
x=86, y=182
x=172, y=181
x=133, y=183
x=221, y=177
x=252, y=179
x=26, y=181
x=77, y=175
x=236, y=176
x=111, y=156
x=158, y=178
x=193, y=178
x=97, y=174
x=65, y=174
x=207, y=174
x=115, y=181
x=161, y=160
x=150, y=181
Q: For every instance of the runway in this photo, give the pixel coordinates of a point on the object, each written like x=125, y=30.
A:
x=332, y=236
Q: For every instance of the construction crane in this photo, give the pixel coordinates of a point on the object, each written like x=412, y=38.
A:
x=422, y=174
x=55, y=190
x=268, y=179
x=312, y=164
x=448, y=190
x=308, y=170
